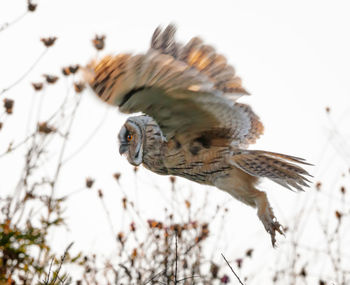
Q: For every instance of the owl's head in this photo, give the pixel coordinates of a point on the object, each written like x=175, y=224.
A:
x=131, y=138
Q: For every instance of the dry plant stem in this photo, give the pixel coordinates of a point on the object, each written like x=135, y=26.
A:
x=232, y=269
x=88, y=139
x=63, y=148
x=175, y=257
x=24, y=74
x=5, y=26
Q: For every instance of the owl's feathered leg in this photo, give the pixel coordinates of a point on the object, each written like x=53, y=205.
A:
x=267, y=217
x=242, y=186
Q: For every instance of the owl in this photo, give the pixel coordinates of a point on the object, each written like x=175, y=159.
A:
x=192, y=125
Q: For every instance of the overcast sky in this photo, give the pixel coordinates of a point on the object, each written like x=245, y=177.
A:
x=293, y=57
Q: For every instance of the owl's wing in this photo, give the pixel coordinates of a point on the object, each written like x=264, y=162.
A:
x=186, y=89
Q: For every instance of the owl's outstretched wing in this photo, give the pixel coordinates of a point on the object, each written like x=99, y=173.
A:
x=186, y=89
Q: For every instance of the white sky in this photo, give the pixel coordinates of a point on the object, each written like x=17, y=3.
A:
x=293, y=57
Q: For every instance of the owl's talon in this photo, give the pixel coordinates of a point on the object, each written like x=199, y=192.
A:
x=271, y=224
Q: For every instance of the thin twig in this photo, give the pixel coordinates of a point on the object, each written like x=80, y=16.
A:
x=232, y=269
x=24, y=75
x=62, y=260
x=6, y=25
x=154, y=277
x=175, y=256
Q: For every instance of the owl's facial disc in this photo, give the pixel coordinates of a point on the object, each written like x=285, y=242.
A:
x=130, y=139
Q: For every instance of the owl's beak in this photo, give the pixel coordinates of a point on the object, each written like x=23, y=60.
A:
x=123, y=148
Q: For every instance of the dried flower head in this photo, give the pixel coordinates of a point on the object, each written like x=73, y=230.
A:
x=37, y=86
x=48, y=42
x=132, y=227
x=124, y=202
x=342, y=190
x=99, y=42
x=214, y=270
x=134, y=254
x=249, y=252
x=303, y=272
x=172, y=179
x=89, y=182
x=79, y=86
x=225, y=279
x=73, y=68
x=239, y=262
x=51, y=79
x=116, y=176
x=338, y=215
x=65, y=71
x=8, y=105
x=120, y=237
x=30, y=6
x=44, y=128
x=318, y=186
x=1, y=124
x=100, y=193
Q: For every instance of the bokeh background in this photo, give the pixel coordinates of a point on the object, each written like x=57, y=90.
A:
x=293, y=58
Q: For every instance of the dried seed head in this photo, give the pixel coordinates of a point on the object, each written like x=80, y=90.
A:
x=124, y=202
x=303, y=272
x=116, y=176
x=214, y=270
x=318, y=186
x=30, y=6
x=136, y=169
x=239, y=262
x=338, y=215
x=249, y=252
x=134, y=254
x=328, y=109
x=89, y=182
x=51, y=79
x=120, y=237
x=100, y=193
x=65, y=71
x=225, y=279
x=343, y=190
x=1, y=124
x=37, y=86
x=73, y=68
x=172, y=179
x=188, y=204
x=8, y=105
x=48, y=42
x=132, y=227
x=79, y=87
x=44, y=128
x=99, y=42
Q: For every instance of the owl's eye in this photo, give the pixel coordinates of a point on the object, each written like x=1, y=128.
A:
x=129, y=137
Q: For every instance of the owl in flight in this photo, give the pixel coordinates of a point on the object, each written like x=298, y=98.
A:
x=193, y=127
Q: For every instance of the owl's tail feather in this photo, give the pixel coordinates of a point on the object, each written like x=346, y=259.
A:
x=280, y=168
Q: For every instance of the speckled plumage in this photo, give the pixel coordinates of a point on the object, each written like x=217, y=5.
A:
x=194, y=128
